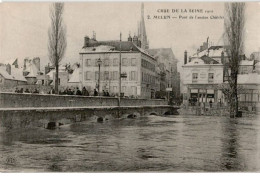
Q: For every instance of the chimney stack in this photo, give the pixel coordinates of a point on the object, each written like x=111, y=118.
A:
x=130, y=38
x=37, y=63
x=185, y=57
x=135, y=40
x=86, y=41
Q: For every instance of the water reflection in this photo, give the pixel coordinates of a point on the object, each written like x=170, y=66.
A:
x=229, y=157
x=145, y=144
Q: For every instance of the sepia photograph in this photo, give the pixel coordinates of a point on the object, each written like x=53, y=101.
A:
x=134, y=87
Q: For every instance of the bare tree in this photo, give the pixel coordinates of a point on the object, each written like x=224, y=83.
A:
x=227, y=91
x=57, y=38
x=234, y=39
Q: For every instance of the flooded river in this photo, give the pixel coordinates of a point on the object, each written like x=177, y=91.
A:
x=173, y=143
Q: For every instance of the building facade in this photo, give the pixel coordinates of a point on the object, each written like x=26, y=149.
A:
x=207, y=71
x=139, y=67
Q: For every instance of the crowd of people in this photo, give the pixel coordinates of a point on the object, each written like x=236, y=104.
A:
x=66, y=91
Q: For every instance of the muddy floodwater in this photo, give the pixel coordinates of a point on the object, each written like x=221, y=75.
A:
x=146, y=144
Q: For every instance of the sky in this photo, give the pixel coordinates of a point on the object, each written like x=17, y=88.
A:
x=24, y=27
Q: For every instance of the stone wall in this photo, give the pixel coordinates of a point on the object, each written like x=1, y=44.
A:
x=17, y=100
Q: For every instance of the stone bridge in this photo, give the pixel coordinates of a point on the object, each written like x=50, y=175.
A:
x=49, y=111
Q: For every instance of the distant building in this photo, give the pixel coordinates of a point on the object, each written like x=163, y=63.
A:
x=208, y=68
x=31, y=70
x=201, y=78
x=168, y=66
x=10, y=76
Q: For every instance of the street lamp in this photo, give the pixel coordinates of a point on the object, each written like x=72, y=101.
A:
x=99, y=62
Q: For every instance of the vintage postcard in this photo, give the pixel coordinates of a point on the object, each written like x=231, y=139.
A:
x=129, y=87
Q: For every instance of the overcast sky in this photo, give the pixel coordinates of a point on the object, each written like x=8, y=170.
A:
x=24, y=27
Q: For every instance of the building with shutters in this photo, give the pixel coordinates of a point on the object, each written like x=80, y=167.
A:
x=136, y=63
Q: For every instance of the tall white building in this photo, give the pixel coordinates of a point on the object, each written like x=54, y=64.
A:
x=136, y=63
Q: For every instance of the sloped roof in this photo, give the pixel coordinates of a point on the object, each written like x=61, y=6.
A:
x=196, y=61
x=17, y=73
x=5, y=74
x=208, y=60
x=75, y=76
x=125, y=45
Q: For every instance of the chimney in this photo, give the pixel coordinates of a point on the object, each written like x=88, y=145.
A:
x=86, y=41
x=135, y=40
x=185, y=57
x=94, y=36
x=222, y=57
x=201, y=48
x=8, y=69
x=130, y=38
x=189, y=59
x=37, y=63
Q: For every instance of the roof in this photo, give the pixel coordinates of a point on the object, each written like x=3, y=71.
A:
x=162, y=52
x=75, y=76
x=112, y=46
x=125, y=45
x=5, y=74
x=208, y=60
x=213, y=51
x=17, y=73
x=196, y=61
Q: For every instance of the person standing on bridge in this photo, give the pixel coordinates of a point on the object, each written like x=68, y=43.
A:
x=95, y=92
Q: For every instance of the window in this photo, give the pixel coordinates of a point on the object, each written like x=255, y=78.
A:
x=194, y=77
x=115, y=62
x=115, y=75
x=106, y=62
x=133, y=61
x=87, y=75
x=248, y=97
x=211, y=77
x=255, y=97
x=124, y=89
x=106, y=75
x=124, y=62
x=243, y=70
x=133, y=76
x=87, y=62
x=242, y=97
x=134, y=90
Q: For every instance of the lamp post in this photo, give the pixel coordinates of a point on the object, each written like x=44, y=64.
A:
x=119, y=96
x=99, y=62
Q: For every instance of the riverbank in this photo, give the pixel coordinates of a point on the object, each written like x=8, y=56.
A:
x=214, y=111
